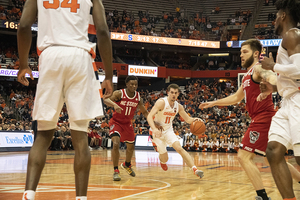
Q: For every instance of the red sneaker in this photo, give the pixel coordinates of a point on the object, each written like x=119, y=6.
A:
x=164, y=166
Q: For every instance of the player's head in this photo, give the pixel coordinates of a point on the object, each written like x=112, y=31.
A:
x=131, y=83
x=288, y=12
x=173, y=92
x=250, y=52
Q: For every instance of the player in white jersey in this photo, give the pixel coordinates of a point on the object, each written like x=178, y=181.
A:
x=284, y=132
x=163, y=113
x=67, y=75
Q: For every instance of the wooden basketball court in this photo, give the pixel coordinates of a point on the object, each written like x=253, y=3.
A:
x=224, y=178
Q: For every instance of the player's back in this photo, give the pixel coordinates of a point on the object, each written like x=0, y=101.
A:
x=166, y=116
x=129, y=106
x=64, y=23
x=257, y=110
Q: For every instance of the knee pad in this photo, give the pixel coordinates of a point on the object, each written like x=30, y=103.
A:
x=45, y=125
x=80, y=125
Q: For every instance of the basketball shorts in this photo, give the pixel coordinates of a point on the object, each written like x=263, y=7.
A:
x=285, y=127
x=256, y=138
x=125, y=131
x=66, y=75
x=168, y=138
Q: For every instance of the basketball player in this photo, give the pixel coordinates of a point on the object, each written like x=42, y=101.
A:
x=163, y=113
x=256, y=137
x=125, y=103
x=66, y=75
x=284, y=132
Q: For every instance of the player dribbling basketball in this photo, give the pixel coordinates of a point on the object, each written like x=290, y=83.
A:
x=163, y=113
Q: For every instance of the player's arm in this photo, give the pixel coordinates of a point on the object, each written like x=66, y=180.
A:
x=142, y=108
x=29, y=14
x=104, y=45
x=185, y=116
x=116, y=96
x=233, y=99
x=158, y=106
x=290, y=42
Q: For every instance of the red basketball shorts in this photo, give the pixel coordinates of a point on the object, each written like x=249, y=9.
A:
x=256, y=138
x=125, y=131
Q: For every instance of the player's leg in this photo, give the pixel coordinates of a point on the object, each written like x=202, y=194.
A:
x=80, y=83
x=115, y=154
x=82, y=159
x=187, y=158
x=279, y=141
x=161, y=148
x=127, y=164
x=47, y=106
x=279, y=168
x=37, y=157
x=246, y=160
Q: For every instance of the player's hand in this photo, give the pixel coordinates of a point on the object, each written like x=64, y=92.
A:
x=118, y=109
x=21, y=75
x=206, y=105
x=268, y=63
x=156, y=133
x=107, y=85
x=159, y=127
x=265, y=89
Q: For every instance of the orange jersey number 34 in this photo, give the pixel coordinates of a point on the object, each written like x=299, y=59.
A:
x=65, y=4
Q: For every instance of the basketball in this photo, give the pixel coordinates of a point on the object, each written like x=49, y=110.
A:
x=197, y=127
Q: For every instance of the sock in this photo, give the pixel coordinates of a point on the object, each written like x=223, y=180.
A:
x=290, y=198
x=28, y=195
x=81, y=198
x=162, y=162
x=194, y=168
x=262, y=193
x=116, y=167
x=127, y=164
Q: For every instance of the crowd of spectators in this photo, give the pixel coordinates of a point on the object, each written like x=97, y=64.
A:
x=225, y=126
x=177, y=24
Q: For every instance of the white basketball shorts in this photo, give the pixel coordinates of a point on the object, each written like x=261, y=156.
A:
x=66, y=74
x=168, y=138
x=285, y=125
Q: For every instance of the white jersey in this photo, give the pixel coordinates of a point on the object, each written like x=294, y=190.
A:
x=64, y=23
x=166, y=116
x=285, y=85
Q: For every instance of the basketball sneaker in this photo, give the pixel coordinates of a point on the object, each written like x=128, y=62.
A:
x=116, y=176
x=164, y=166
x=128, y=169
x=198, y=173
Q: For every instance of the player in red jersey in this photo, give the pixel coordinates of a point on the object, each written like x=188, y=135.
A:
x=261, y=111
x=125, y=103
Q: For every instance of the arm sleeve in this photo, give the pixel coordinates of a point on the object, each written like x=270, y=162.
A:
x=291, y=70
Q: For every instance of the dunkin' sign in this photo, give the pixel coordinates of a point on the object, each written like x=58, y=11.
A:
x=138, y=70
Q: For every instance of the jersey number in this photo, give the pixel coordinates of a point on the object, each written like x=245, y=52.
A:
x=168, y=119
x=128, y=110
x=65, y=4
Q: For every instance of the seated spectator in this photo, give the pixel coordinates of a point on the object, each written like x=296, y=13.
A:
x=57, y=141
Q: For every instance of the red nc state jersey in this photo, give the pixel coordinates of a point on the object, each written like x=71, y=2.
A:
x=255, y=108
x=129, y=106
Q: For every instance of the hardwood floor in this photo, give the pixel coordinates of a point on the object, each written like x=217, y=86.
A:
x=223, y=177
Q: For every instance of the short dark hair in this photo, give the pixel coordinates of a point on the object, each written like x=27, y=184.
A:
x=291, y=6
x=174, y=86
x=255, y=45
x=129, y=78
